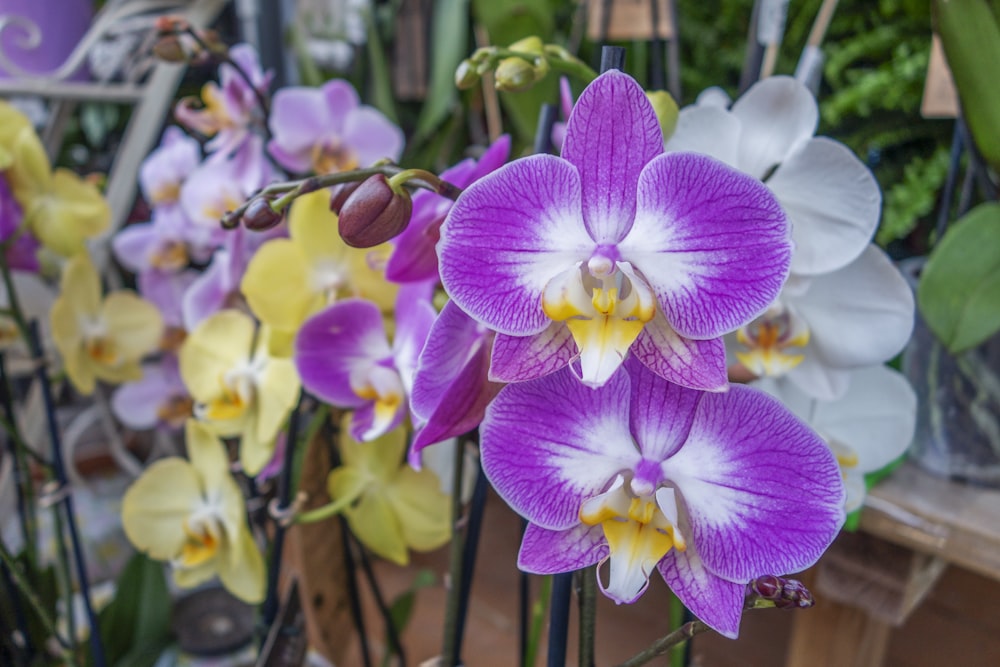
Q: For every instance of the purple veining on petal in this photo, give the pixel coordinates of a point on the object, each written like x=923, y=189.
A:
x=546, y=551
x=697, y=364
x=716, y=601
x=610, y=137
x=520, y=358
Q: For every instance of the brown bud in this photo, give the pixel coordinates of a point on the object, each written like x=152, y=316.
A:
x=340, y=195
x=169, y=48
x=260, y=216
x=169, y=23
x=374, y=213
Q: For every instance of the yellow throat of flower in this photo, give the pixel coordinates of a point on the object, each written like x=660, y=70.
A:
x=774, y=344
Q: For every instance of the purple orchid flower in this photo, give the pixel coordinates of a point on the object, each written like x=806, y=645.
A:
x=327, y=130
x=231, y=107
x=163, y=171
x=414, y=258
x=710, y=489
x=21, y=254
x=451, y=388
x=621, y=245
x=159, y=399
x=565, y=109
x=166, y=291
x=344, y=358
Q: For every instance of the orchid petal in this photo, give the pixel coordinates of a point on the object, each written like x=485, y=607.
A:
x=577, y=445
x=697, y=364
x=375, y=524
x=660, y=413
x=156, y=505
x=545, y=551
x=520, y=358
x=860, y=315
x=217, y=345
x=423, y=509
x=611, y=135
x=245, y=575
x=336, y=344
x=714, y=600
x=832, y=202
x=762, y=491
x=712, y=242
x=707, y=130
x=776, y=114
x=372, y=136
x=527, y=213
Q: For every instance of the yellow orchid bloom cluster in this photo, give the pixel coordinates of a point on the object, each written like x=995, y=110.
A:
x=191, y=513
x=238, y=387
x=61, y=209
x=389, y=506
x=290, y=279
x=101, y=337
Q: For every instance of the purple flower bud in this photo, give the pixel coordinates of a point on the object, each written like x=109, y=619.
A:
x=779, y=592
x=340, y=195
x=374, y=213
x=260, y=216
x=767, y=587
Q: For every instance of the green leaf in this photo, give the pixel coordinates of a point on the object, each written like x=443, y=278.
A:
x=449, y=41
x=382, y=97
x=959, y=292
x=971, y=39
x=139, y=616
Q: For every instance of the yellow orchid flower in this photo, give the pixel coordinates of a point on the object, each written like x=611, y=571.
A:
x=390, y=506
x=191, y=513
x=239, y=389
x=61, y=209
x=290, y=279
x=101, y=338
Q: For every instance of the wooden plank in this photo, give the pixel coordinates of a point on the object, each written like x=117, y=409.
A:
x=957, y=522
x=836, y=635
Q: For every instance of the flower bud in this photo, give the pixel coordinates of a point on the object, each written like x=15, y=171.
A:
x=374, y=213
x=772, y=591
x=341, y=194
x=260, y=216
x=170, y=49
x=466, y=75
x=514, y=75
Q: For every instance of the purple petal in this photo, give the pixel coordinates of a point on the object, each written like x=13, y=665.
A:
x=460, y=407
x=763, y=492
x=209, y=293
x=414, y=257
x=137, y=404
x=363, y=421
x=134, y=244
x=507, y=236
x=660, y=412
x=716, y=601
x=698, y=364
x=372, y=136
x=167, y=291
x=520, y=358
x=454, y=339
x=611, y=135
x=415, y=315
x=546, y=551
x=549, y=444
x=712, y=242
x=300, y=118
x=343, y=340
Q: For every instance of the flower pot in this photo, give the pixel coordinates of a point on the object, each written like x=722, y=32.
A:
x=958, y=418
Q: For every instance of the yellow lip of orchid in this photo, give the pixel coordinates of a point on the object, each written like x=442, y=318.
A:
x=605, y=306
x=290, y=279
x=101, y=338
x=772, y=342
x=639, y=529
x=239, y=389
x=191, y=513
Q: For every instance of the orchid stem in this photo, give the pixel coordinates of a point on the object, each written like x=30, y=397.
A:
x=588, y=614
x=392, y=633
x=352, y=593
x=664, y=644
x=537, y=621
x=562, y=587
x=449, y=655
x=476, y=509
x=21, y=470
x=10, y=563
x=96, y=647
x=284, y=496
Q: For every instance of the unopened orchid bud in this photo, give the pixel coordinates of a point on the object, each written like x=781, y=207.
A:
x=341, y=194
x=466, y=75
x=170, y=23
x=169, y=48
x=261, y=216
x=772, y=591
x=374, y=213
x=514, y=75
